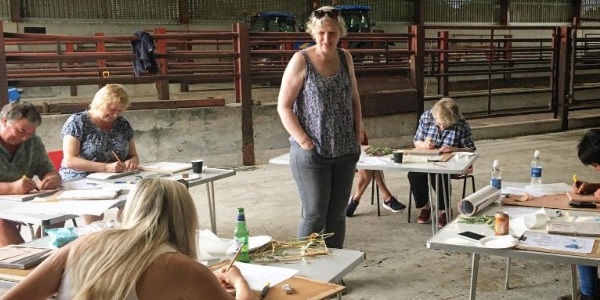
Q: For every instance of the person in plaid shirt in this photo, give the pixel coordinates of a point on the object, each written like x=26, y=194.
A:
x=442, y=127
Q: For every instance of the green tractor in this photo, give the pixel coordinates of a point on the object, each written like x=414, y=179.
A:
x=356, y=17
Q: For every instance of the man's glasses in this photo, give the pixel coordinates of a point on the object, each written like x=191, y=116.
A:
x=334, y=13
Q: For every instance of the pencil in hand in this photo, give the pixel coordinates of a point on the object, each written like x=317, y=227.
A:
x=234, y=258
x=116, y=156
x=34, y=185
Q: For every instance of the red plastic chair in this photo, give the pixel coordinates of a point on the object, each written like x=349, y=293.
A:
x=56, y=157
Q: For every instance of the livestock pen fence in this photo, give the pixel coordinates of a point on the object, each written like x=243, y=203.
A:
x=480, y=64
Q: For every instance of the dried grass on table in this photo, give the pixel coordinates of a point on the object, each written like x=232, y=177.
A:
x=291, y=250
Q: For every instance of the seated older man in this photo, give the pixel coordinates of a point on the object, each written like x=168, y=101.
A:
x=22, y=156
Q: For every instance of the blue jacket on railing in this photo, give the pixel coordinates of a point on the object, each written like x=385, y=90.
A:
x=143, y=49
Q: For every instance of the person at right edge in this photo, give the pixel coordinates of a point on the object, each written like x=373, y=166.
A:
x=588, y=151
x=442, y=127
x=319, y=107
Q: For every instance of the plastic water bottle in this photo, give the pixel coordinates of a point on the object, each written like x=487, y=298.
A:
x=536, y=168
x=241, y=236
x=496, y=177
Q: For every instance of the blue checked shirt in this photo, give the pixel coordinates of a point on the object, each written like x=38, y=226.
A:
x=458, y=135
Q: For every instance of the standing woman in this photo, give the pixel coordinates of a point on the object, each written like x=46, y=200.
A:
x=319, y=107
x=91, y=137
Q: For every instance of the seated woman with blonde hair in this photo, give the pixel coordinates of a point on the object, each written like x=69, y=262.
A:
x=151, y=256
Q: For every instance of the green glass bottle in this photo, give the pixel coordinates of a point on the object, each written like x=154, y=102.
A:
x=241, y=236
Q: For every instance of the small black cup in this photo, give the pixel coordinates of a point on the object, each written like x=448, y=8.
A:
x=398, y=154
x=197, y=166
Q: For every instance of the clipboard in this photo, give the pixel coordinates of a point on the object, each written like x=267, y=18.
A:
x=22, y=257
x=581, y=198
x=27, y=197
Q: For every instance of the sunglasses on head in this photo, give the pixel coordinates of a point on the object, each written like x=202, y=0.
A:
x=334, y=13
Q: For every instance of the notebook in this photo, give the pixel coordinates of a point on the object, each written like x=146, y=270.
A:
x=26, y=197
x=108, y=175
x=166, y=167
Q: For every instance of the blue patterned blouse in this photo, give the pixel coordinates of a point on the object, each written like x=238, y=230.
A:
x=324, y=109
x=96, y=144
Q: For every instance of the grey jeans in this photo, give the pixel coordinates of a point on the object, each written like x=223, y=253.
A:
x=324, y=185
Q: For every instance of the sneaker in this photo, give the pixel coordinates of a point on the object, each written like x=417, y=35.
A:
x=352, y=205
x=393, y=205
x=425, y=216
x=442, y=221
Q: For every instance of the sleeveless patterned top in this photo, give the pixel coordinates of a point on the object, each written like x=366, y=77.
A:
x=324, y=110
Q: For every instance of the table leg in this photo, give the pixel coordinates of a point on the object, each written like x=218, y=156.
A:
x=446, y=187
x=474, y=272
x=574, y=282
x=506, y=283
x=432, y=206
x=210, y=192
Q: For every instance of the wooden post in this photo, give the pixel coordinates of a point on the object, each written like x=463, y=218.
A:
x=3, y=73
x=563, y=72
x=162, y=86
x=443, y=63
x=244, y=90
x=417, y=45
x=184, y=11
x=15, y=11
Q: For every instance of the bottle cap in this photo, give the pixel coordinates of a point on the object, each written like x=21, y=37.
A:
x=495, y=164
x=536, y=153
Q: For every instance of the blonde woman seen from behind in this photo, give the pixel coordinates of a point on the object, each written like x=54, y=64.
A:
x=151, y=256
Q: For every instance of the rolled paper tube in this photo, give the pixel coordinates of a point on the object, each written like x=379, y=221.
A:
x=478, y=201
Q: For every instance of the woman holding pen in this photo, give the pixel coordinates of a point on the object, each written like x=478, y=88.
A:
x=99, y=139
x=152, y=255
x=22, y=156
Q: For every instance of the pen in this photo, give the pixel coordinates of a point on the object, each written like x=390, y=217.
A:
x=116, y=156
x=125, y=182
x=34, y=185
x=234, y=258
x=439, y=165
x=264, y=291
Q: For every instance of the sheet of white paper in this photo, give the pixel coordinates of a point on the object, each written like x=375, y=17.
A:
x=414, y=159
x=534, y=191
x=554, y=188
x=82, y=184
x=212, y=244
x=554, y=242
x=531, y=221
x=258, y=275
x=374, y=160
x=78, y=207
x=513, y=190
